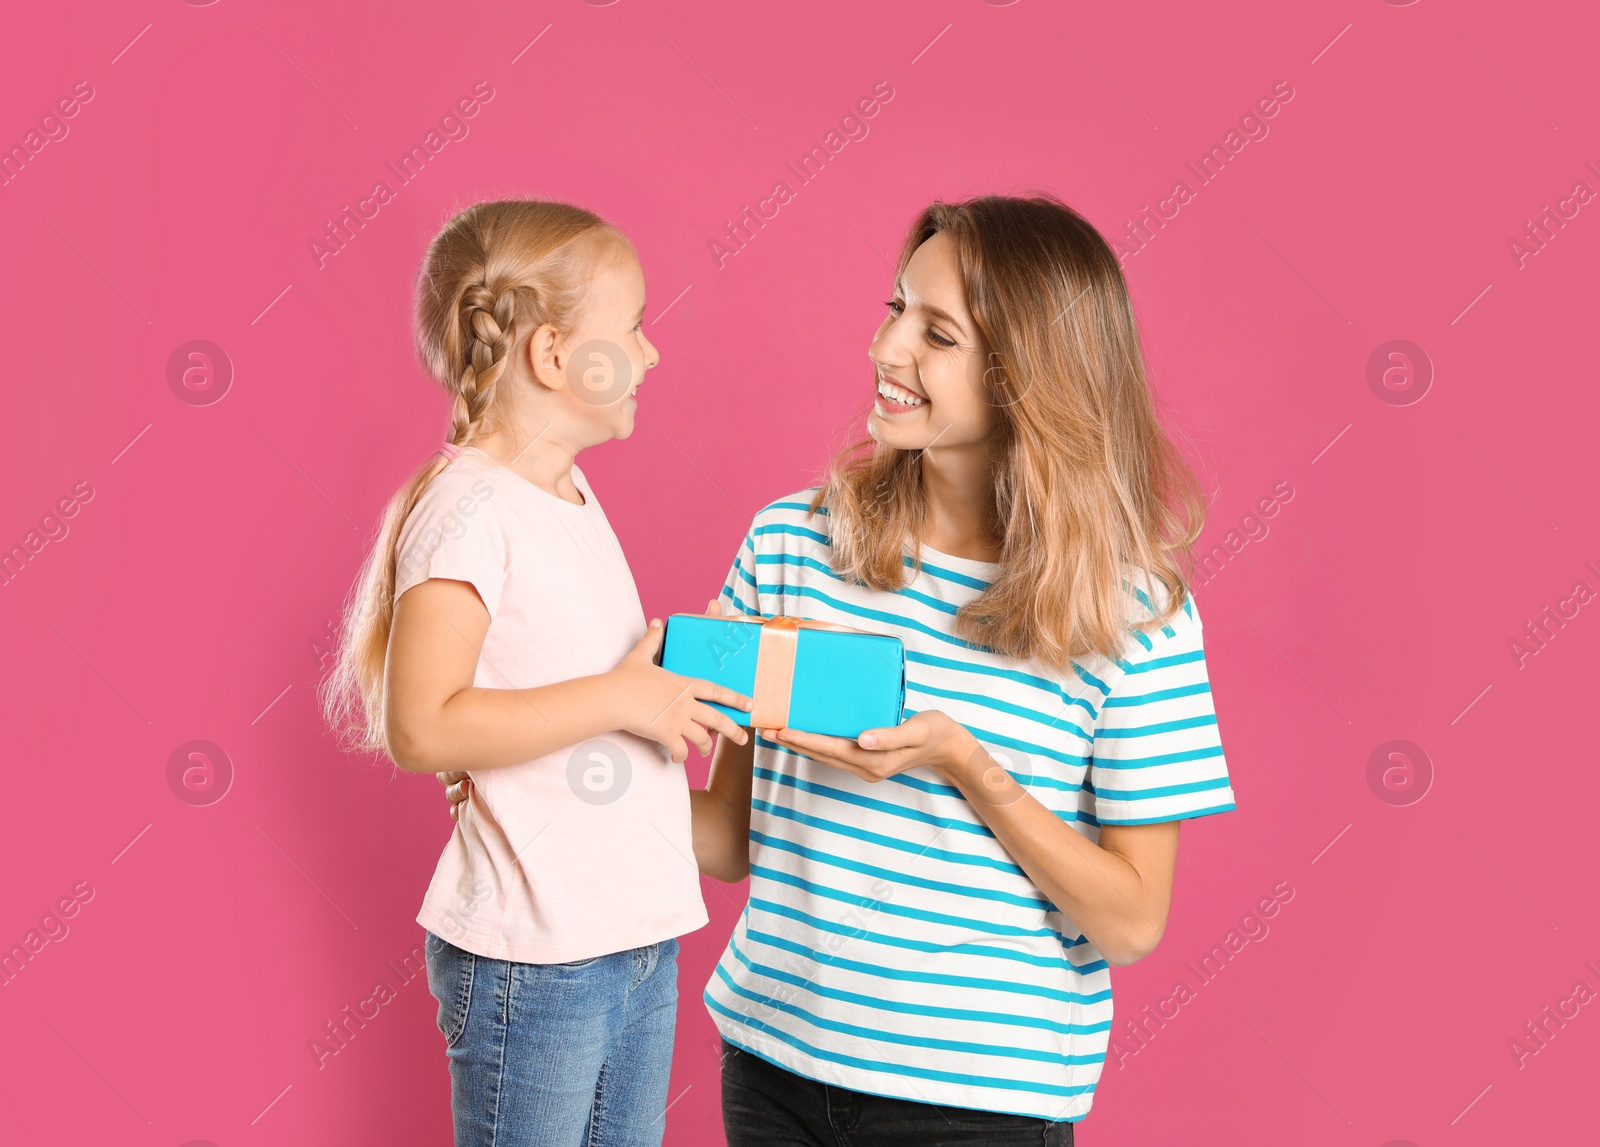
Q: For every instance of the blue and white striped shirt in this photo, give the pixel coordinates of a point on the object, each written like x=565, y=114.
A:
x=891, y=945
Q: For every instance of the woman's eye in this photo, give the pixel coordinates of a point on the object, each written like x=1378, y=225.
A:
x=895, y=305
x=938, y=339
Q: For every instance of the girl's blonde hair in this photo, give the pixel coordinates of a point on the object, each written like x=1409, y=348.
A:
x=496, y=273
x=1087, y=484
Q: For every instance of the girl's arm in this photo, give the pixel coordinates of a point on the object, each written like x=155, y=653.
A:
x=436, y=720
x=720, y=813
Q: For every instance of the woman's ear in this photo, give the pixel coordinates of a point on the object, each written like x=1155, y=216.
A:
x=547, y=358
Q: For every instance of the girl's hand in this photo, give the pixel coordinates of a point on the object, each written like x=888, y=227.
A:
x=929, y=738
x=670, y=709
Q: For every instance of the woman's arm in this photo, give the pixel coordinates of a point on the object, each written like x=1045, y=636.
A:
x=1117, y=892
x=436, y=720
x=720, y=813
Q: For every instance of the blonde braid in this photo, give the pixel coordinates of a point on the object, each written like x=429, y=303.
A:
x=488, y=334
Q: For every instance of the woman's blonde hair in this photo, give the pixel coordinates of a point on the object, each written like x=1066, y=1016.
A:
x=492, y=276
x=1088, y=487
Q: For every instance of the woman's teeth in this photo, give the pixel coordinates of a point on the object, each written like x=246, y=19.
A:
x=899, y=395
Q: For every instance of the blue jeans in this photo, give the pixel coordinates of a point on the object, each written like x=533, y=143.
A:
x=557, y=1055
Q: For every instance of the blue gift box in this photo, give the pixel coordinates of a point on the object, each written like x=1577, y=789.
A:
x=843, y=681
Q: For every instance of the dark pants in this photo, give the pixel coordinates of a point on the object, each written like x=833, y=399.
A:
x=765, y=1106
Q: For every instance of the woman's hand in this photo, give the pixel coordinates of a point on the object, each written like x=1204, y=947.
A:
x=929, y=738
x=456, y=789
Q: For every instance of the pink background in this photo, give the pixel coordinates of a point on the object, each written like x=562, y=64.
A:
x=190, y=596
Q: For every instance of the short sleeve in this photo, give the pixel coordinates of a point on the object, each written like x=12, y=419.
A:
x=739, y=592
x=454, y=532
x=1157, y=751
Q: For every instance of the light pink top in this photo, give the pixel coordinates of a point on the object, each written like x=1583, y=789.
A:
x=587, y=850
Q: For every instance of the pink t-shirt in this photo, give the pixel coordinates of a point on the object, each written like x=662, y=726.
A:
x=586, y=850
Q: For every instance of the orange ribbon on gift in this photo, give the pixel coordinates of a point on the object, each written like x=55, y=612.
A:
x=779, y=643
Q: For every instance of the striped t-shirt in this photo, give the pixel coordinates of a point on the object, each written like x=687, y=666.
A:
x=891, y=945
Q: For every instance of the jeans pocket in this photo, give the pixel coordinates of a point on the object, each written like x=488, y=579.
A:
x=584, y=963
x=450, y=974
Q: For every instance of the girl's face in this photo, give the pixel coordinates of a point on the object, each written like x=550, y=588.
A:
x=929, y=359
x=607, y=352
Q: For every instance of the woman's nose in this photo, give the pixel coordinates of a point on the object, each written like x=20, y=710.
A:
x=888, y=350
x=888, y=363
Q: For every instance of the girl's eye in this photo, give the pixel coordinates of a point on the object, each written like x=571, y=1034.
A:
x=895, y=305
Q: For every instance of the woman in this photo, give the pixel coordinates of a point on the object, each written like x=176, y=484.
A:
x=934, y=907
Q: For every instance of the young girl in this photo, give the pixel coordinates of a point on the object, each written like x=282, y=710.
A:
x=496, y=629
x=934, y=907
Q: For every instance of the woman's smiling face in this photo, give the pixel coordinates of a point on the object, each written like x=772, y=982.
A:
x=929, y=358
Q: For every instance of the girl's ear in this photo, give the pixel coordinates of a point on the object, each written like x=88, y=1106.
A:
x=547, y=358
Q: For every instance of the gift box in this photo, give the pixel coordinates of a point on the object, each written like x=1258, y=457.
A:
x=808, y=675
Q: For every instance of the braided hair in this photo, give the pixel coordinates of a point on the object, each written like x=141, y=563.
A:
x=494, y=274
